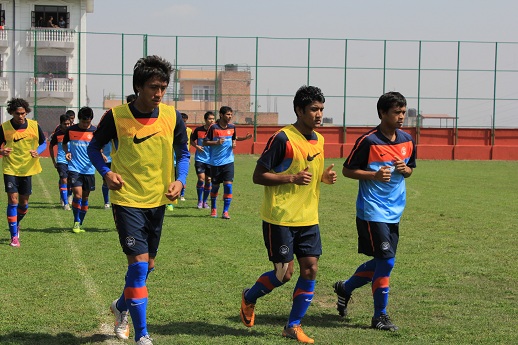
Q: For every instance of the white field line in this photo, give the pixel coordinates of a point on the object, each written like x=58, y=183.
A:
x=92, y=290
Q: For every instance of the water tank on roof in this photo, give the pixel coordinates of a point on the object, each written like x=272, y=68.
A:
x=231, y=67
x=410, y=118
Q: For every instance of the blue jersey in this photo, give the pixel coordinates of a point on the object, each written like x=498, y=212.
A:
x=224, y=153
x=198, y=135
x=79, y=140
x=381, y=201
x=107, y=151
x=57, y=139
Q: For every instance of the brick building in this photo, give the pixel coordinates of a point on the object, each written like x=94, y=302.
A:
x=195, y=92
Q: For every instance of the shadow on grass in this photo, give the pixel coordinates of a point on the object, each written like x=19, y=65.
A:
x=54, y=230
x=313, y=320
x=22, y=338
x=201, y=329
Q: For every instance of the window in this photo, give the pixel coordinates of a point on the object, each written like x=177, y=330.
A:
x=203, y=93
x=2, y=16
x=50, y=16
x=55, y=66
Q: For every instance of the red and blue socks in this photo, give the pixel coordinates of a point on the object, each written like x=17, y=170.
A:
x=63, y=193
x=302, y=297
x=76, y=209
x=199, y=190
x=214, y=195
x=83, y=210
x=106, y=194
x=263, y=286
x=12, y=219
x=136, y=296
x=362, y=276
x=227, y=196
x=206, y=191
x=380, y=285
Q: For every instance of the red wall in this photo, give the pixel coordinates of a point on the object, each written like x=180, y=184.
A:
x=433, y=143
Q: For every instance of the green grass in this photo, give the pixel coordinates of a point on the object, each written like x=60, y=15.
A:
x=455, y=280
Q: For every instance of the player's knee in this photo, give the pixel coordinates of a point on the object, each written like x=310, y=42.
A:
x=283, y=272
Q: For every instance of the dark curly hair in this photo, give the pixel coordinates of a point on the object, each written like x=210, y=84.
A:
x=150, y=67
x=15, y=103
x=389, y=100
x=306, y=95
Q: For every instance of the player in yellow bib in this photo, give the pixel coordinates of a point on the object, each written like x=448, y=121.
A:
x=291, y=169
x=22, y=143
x=142, y=181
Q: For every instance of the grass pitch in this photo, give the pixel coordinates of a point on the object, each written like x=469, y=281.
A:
x=455, y=279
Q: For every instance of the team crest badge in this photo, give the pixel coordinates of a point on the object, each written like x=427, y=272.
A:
x=403, y=151
x=130, y=242
x=283, y=250
x=385, y=246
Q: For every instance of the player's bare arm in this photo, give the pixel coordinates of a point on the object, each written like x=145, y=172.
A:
x=114, y=181
x=220, y=141
x=174, y=190
x=246, y=137
x=6, y=151
x=264, y=177
x=329, y=175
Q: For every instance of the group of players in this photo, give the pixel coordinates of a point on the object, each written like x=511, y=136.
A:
x=146, y=134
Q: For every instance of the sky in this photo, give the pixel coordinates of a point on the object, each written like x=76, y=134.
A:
x=438, y=20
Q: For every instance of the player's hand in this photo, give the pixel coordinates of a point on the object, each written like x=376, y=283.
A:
x=6, y=151
x=303, y=177
x=400, y=165
x=174, y=190
x=199, y=148
x=248, y=136
x=221, y=141
x=105, y=159
x=383, y=174
x=34, y=153
x=113, y=180
x=68, y=156
x=329, y=175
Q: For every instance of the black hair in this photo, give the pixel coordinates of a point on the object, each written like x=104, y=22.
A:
x=150, y=67
x=70, y=112
x=15, y=103
x=389, y=100
x=85, y=113
x=225, y=109
x=207, y=114
x=184, y=116
x=306, y=95
x=131, y=98
x=63, y=118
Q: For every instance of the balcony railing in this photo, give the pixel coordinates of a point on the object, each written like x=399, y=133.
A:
x=51, y=38
x=4, y=43
x=50, y=88
x=4, y=88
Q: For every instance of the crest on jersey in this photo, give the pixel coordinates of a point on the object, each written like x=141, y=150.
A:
x=385, y=246
x=130, y=241
x=283, y=250
x=403, y=151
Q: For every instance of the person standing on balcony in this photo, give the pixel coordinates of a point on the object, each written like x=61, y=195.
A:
x=23, y=141
x=50, y=23
x=62, y=23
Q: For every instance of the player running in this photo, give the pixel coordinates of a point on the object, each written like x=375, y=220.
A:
x=202, y=160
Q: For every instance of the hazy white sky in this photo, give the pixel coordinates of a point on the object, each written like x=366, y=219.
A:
x=438, y=20
x=477, y=20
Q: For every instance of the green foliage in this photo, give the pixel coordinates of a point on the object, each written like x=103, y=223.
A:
x=454, y=281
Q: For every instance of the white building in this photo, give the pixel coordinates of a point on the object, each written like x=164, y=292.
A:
x=43, y=56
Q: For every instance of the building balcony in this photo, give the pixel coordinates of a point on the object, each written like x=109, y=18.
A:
x=50, y=88
x=4, y=42
x=4, y=88
x=51, y=38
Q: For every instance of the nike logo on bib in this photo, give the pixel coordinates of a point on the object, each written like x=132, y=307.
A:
x=17, y=140
x=140, y=140
x=310, y=158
